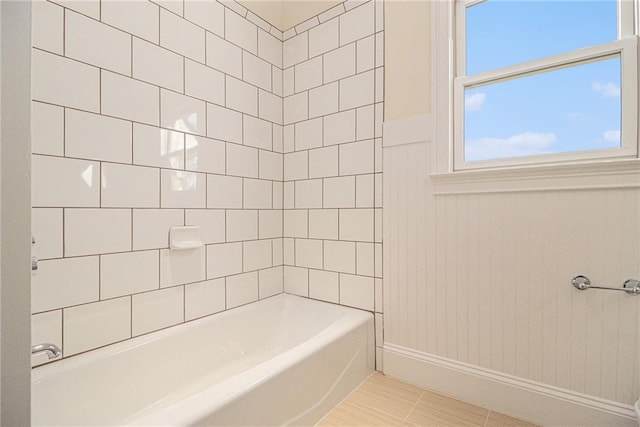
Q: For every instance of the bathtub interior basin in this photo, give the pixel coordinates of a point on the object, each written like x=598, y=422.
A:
x=282, y=360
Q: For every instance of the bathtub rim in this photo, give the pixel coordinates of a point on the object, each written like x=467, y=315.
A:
x=42, y=371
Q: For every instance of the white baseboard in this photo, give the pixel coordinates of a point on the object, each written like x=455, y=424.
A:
x=528, y=400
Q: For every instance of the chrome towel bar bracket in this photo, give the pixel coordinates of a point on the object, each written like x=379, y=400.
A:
x=631, y=286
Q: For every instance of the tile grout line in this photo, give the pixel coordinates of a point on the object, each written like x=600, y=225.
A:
x=405, y=419
x=486, y=420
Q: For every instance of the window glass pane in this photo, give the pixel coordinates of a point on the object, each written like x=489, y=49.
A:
x=570, y=109
x=507, y=32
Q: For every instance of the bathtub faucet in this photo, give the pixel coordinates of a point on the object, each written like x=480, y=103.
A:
x=52, y=350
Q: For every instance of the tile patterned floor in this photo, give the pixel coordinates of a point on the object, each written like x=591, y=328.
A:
x=383, y=401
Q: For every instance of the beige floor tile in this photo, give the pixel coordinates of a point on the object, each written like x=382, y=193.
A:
x=387, y=395
x=437, y=410
x=383, y=401
x=351, y=414
x=497, y=419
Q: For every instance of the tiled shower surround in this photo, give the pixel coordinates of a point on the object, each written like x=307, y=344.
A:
x=148, y=115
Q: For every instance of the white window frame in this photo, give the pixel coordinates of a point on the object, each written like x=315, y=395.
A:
x=450, y=82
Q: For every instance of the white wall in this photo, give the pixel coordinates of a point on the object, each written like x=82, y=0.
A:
x=148, y=116
x=15, y=381
x=1, y=338
x=481, y=281
x=407, y=58
x=478, y=300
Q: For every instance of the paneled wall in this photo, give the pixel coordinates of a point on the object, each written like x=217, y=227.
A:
x=483, y=279
x=146, y=116
x=333, y=93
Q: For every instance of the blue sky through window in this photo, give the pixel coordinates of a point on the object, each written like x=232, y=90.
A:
x=570, y=109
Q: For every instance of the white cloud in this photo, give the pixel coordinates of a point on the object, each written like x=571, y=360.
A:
x=607, y=89
x=523, y=144
x=475, y=101
x=612, y=137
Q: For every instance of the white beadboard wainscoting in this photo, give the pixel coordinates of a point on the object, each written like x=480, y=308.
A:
x=478, y=299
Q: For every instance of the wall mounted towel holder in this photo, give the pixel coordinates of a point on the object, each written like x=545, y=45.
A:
x=631, y=286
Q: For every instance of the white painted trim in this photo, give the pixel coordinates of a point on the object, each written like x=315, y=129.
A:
x=442, y=86
x=525, y=399
x=624, y=49
x=578, y=176
x=447, y=24
x=407, y=130
x=550, y=63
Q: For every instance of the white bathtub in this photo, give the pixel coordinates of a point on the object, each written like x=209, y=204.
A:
x=283, y=360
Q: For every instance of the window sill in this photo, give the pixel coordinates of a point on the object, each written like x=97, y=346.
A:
x=576, y=176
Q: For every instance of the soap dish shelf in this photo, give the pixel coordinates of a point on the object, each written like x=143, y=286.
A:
x=184, y=238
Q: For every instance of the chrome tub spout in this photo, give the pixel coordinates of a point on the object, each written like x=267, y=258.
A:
x=52, y=350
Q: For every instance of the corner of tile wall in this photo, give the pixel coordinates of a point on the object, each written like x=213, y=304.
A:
x=269, y=141
x=333, y=102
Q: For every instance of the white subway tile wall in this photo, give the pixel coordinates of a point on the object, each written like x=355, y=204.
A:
x=332, y=168
x=176, y=6
x=270, y=224
x=97, y=324
x=47, y=130
x=154, y=114
x=48, y=22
